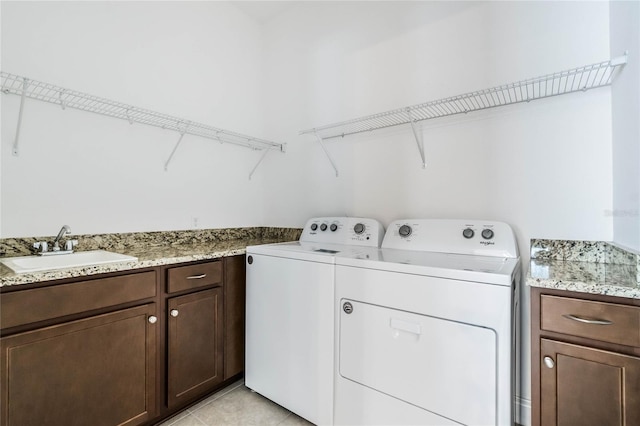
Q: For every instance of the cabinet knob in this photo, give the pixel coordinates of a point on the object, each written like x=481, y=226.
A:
x=174, y=313
x=153, y=319
x=548, y=361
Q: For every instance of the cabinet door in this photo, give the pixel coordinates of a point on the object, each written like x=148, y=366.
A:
x=234, y=308
x=588, y=387
x=96, y=371
x=195, y=360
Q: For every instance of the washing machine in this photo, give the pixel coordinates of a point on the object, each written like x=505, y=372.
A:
x=426, y=326
x=290, y=313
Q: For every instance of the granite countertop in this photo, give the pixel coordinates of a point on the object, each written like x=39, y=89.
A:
x=587, y=267
x=150, y=255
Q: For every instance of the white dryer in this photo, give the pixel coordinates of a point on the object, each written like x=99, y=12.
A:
x=290, y=313
x=426, y=326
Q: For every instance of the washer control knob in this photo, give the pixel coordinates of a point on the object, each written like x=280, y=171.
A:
x=323, y=227
x=405, y=231
x=487, y=234
x=468, y=233
x=314, y=226
x=359, y=228
x=333, y=227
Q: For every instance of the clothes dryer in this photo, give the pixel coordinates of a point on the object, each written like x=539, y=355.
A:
x=426, y=326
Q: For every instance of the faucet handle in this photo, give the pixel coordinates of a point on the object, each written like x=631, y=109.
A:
x=69, y=245
x=42, y=246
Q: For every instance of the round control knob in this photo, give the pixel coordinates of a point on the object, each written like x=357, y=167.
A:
x=174, y=313
x=405, y=231
x=314, y=226
x=359, y=228
x=333, y=227
x=323, y=227
x=487, y=234
x=468, y=233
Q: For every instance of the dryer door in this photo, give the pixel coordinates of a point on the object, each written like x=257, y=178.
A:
x=445, y=367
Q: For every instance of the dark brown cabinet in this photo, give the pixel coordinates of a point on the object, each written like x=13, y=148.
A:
x=195, y=339
x=585, y=359
x=588, y=387
x=234, y=314
x=99, y=371
x=120, y=348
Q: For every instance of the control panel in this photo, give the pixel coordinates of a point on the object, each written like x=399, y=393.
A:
x=477, y=237
x=343, y=230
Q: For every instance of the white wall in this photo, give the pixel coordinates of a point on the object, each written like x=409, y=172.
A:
x=625, y=36
x=197, y=60
x=544, y=167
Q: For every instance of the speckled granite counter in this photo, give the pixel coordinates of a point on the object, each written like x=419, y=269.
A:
x=584, y=266
x=151, y=249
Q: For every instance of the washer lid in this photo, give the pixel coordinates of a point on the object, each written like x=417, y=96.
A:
x=313, y=252
x=482, y=269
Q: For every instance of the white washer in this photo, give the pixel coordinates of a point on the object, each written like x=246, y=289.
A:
x=290, y=313
x=426, y=326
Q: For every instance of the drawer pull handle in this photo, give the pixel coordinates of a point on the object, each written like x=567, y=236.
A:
x=196, y=277
x=588, y=320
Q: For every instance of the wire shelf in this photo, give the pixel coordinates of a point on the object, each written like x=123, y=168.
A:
x=33, y=89
x=559, y=83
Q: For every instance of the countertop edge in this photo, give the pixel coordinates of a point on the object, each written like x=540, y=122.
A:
x=13, y=279
x=584, y=287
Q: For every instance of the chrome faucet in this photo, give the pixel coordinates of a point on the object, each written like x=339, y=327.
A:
x=65, y=230
x=42, y=247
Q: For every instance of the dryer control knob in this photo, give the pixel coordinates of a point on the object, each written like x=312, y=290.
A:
x=333, y=227
x=468, y=233
x=314, y=226
x=323, y=227
x=405, y=231
x=359, y=228
x=487, y=234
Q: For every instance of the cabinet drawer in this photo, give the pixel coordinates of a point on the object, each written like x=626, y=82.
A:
x=602, y=321
x=194, y=276
x=39, y=304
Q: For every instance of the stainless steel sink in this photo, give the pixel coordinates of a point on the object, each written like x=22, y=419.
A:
x=25, y=264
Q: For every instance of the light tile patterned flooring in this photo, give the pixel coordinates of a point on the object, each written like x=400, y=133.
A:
x=236, y=405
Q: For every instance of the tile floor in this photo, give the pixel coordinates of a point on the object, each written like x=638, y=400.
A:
x=236, y=405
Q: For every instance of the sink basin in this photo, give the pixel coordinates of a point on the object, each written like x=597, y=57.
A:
x=24, y=264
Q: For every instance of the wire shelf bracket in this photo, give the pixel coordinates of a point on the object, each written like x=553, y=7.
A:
x=14, y=149
x=324, y=148
x=418, y=137
x=578, y=79
x=175, y=148
x=33, y=89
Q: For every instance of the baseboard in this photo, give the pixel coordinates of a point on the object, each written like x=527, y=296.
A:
x=523, y=411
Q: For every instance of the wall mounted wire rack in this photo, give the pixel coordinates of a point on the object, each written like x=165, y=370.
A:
x=66, y=98
x=574, y=80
